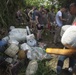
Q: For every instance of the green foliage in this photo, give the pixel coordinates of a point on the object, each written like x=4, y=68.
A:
x=34, y=2
x=8, y=9
x=43, y=69
x=49, y=3
x=65, y=2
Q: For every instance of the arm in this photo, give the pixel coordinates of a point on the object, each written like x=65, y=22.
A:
x=62, y=18
x=36, y=17
x=29, y=14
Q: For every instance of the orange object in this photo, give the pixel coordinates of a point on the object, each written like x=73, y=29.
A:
x=58, y=51
x=22, y=54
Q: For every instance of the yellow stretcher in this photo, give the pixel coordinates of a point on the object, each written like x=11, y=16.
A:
x=65, y=52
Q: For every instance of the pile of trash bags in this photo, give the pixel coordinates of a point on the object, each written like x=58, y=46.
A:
x=21, y=43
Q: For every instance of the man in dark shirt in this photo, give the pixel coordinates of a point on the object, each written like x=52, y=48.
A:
x=39, y=22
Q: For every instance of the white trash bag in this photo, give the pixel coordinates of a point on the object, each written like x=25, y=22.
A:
x=63, y=29
x=19, y=37
x=12, y=27
x=25, y=47
x=13, y=42
x=31, y=40
x=18, y=34
x=69, y=37
x=9, y=60
x=32, y=67
x=5, y=38
x=17, y=31
x=37, y=53
x=28, y=30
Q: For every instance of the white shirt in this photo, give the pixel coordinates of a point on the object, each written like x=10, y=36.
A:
x=58, y=21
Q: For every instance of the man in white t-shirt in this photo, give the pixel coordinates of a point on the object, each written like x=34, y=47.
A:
x=62, y=58
x=59, y=23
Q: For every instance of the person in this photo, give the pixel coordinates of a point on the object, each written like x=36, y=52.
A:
x=59, y=24
x=45, y=17
x=39, y=23
x=32, y=14
x=19, y=16
x=51, y=15
x=26, y=11
x=70, y=18
x=51, y=20
x=73, y=12
x=62, y=58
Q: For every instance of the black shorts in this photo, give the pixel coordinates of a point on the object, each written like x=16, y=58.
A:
x=40, y=27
